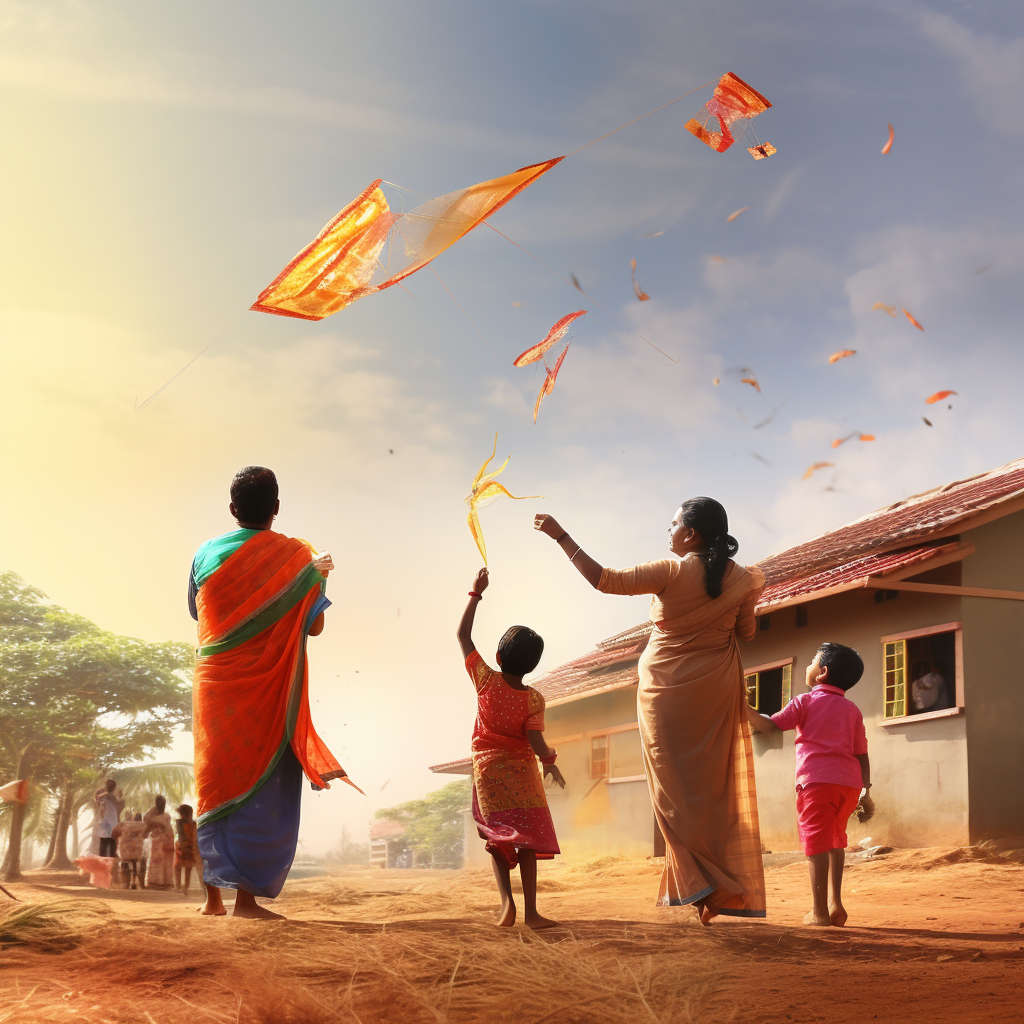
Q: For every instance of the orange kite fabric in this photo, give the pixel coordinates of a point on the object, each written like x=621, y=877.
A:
x=733, y=100
x=337, y=267
x=250, y=688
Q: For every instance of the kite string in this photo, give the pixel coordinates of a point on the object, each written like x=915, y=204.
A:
x=232, y=326
x=467, y=316
x=641, y=117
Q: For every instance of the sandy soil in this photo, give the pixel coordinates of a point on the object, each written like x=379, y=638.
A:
x=934, y=936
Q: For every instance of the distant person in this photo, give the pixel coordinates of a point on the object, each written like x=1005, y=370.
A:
x=130, y=835
x=160, y=869
x=186, y=849
x=832, y=768
x=509, y=804
x=257, y=595
x=696, y=743
x=109, y=805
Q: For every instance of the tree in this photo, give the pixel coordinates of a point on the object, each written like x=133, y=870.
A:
x=75, y=699
x=435, y=824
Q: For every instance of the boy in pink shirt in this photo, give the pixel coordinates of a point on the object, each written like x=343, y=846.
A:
x=831, y=769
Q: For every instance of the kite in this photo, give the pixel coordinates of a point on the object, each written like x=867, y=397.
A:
x=15, y=792
x=657, y=234
x=938, y=397
x=338, y=266
x=725, y=118
x=816, y=466
x=889, y=141
x=555, y=335
x=640, y=293
x=912, y=320
x=485, y=488
x=891, y=310
x=857, y=434
x=736, y=213
x=751, y=381
x=841, y=354
x=549, y=382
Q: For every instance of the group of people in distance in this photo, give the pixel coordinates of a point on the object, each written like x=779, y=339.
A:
x=258, y=595
x=142, y=851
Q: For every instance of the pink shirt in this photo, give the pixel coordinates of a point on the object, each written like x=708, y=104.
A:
x=829, y=732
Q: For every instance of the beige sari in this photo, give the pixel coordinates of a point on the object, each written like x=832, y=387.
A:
x=695, y=736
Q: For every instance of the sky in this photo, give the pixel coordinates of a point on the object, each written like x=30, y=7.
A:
x=162, y=163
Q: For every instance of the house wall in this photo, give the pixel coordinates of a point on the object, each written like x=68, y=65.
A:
x=606, y=818
x=994, y=670
x=918, y=769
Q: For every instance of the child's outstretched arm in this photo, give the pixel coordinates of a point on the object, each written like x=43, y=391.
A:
x=466, y=625
x=759, y=722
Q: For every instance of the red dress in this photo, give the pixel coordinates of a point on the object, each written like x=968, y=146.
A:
x=509, y=805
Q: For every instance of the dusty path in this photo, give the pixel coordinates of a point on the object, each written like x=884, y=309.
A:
x=934, y=936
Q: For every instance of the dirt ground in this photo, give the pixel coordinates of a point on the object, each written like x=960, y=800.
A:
x=934, y=936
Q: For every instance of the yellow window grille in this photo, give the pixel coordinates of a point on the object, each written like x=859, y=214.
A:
x=598, y=757
x=787, y=684
x=894, y=671
x=753, y=682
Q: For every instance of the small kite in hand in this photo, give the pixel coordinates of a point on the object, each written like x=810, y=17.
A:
x=889, y=141
x=485, y=489
x=549, y=382
x=843, y=353
x=555, y=335
x=891, y=310
x=816, y=466
x=938, y=397
x=640, y=293
x=912, y=320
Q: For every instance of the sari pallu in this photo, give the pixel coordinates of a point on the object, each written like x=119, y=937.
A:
x=253, y=732
x=698, y=754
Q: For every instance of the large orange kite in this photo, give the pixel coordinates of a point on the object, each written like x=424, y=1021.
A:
x=727, y=115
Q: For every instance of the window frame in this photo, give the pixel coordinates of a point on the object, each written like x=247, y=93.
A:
x=594, y=774
x=612, y=730
x=768, y=666
x=957, y=629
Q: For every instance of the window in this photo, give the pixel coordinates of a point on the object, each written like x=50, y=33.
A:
x=770, y=687
x=625, y=756
x=598, y=757
x=923, y=672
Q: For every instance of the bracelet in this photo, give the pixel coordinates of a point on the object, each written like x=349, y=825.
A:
x=550, y=759
x=473, y=593
x=572, y=561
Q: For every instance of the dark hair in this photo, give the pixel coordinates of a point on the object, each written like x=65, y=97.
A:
x=138, y=815
x=708, y=518
x=520, y=649
x=254, y=494
x=111, y=785
x=185, y=810
x=160, y=803
x=843, y=663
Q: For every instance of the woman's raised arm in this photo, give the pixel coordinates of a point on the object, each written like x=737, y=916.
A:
x=589, y=569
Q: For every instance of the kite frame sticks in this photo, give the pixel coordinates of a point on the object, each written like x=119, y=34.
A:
x=139, y=407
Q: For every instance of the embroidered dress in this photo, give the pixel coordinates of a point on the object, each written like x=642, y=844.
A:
x=509, y=805
x=186, y=846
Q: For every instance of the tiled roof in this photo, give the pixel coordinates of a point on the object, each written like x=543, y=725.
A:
x=907, y=522
x=464, y=766
x=386, y=829
x=611, y=666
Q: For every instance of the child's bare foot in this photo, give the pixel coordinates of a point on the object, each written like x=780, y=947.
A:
x=255, y=913
x=819, y=920
x=507, y=916
x=214, y=905
x=838, y=917
x=536, y=922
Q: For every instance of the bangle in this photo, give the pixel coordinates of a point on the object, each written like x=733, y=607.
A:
x=561, y=536
x=473, y=593
x=572, y=561
x=550, y=759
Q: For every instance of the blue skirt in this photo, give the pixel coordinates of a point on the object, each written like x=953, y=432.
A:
x=254, y=846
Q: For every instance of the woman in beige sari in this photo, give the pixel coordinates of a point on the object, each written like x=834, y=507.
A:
x=690, y=706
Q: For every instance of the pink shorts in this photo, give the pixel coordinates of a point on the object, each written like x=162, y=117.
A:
x=822, y=811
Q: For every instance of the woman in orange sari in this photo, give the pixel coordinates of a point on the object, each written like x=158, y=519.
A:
x=690, y=707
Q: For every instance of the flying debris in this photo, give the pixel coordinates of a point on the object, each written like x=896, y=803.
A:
x=516, y=304
x=814, y=467
x=889, y=141
x=736, y=213
x=726, y=117
x=640, y=293
x=555, y=335
x=927, y=421
x=843, y=353
x=751, y=380
x=981, y=270
x=912, y=320
x=760, y=458
x=857, y=434
x=718, y=259
x=484, y=489
x=891, y=310
x=549, y=382
x=716, y=382
x=657, y=234
x=938, y=397
x=339, y=265
x=576, y=284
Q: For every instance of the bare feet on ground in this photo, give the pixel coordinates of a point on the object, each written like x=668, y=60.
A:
x=819, y=920
x=507, y=915
x=838, y=917
x=212, y=909
x=536, y=922
x=253, y=911
x=707, y=915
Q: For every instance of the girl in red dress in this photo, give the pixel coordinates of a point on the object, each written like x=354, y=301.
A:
x=509, y=805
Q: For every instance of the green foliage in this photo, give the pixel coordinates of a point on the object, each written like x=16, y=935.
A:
x=435, y=825
x=141, y=782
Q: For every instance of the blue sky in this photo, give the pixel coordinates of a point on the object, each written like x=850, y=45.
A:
x=162, y=164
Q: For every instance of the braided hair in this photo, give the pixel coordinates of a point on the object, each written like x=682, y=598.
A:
x=709, y=519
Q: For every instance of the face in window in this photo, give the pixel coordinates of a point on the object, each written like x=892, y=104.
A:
x=928, y=691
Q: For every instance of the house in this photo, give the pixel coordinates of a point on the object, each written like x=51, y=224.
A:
x=387, y=843
x=930, y=591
